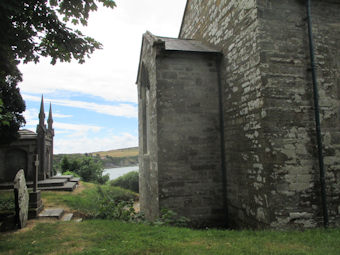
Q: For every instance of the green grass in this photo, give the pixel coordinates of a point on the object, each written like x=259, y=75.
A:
x=7, y=201
x=97, y=236
x=114, y=237
x=71, y=173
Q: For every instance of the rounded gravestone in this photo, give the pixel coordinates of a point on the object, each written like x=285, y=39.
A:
x=21, y=198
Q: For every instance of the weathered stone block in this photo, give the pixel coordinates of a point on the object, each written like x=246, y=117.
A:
x=21, y=199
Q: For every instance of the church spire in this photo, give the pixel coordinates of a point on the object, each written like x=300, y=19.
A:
x=50, y=119
x=42, y=112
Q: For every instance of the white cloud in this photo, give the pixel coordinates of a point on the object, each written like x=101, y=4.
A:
x=81, y=129
x=122, y=110
x=111, y=72
x=92, y=144
x=59, y=115
x=31, y=116
x=104, y=82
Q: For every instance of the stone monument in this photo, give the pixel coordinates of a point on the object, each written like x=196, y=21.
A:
x=20, y=154
x=21, y=199
x=35, y=203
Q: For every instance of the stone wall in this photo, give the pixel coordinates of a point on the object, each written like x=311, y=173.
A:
x=19, y=155
x=189, y=142
x=327, y=38
x=147, y=115
x=232, y=26
x=272, y=167
x=289, y=123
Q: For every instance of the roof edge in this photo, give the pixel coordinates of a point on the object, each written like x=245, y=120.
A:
x=154, y=41
x=140, y=59
x=184, y=14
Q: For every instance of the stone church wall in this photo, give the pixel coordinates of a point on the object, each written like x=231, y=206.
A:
x=232, y=26
x=179, y=141
x=289, y=123
x=148, y=156
x=272, y=166
x=190, y=174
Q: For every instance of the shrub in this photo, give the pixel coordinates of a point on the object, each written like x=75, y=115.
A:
x=115, y=209
x=88, y=168
x=103, y=179
x=7, y=201
x=96, y=201
x=118, y=193
x=170, y=218
x=127, y=181
x=71, y=173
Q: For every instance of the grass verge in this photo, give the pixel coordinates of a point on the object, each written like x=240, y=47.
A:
x=115, y=237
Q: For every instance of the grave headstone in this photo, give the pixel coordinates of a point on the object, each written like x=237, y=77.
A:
x=21, y=198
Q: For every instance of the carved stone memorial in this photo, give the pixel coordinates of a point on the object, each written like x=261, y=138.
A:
x=21, y=199
x=35, y=204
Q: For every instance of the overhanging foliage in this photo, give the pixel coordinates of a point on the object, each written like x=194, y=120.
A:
x=30, y=29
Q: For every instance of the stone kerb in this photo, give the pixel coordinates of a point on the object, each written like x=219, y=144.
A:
x=21, y=199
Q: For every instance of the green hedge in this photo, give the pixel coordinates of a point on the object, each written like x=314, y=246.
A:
x=127, y=181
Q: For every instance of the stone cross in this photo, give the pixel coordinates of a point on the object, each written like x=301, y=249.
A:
x=35, y=179
x=21, y=198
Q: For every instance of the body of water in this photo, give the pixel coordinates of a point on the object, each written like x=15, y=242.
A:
x=119, y=171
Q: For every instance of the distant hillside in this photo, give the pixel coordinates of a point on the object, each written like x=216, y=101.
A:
x=118, y=158
x=110, y=159
x=128, y=152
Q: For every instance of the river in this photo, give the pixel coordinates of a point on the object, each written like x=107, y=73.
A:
x=119, y=171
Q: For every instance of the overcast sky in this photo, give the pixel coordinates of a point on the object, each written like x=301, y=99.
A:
x=95, y=104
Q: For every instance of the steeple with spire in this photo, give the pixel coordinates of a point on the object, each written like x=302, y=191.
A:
x=50, y=119
x=42, y=113
x=50, y=135
x=41, y=141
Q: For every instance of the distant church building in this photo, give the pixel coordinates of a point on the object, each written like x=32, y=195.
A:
x=227, y=119
x=21, y=153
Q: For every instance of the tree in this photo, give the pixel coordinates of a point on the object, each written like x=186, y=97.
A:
x=91, y=170
x=11, y=107
x=65, y=164
x=30, y=29
x=88, y=168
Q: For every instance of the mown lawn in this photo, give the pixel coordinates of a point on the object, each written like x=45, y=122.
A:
x=98, y=236
x=114, y=237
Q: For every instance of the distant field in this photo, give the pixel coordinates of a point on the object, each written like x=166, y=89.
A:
x=128, y=152
x=110, y=159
